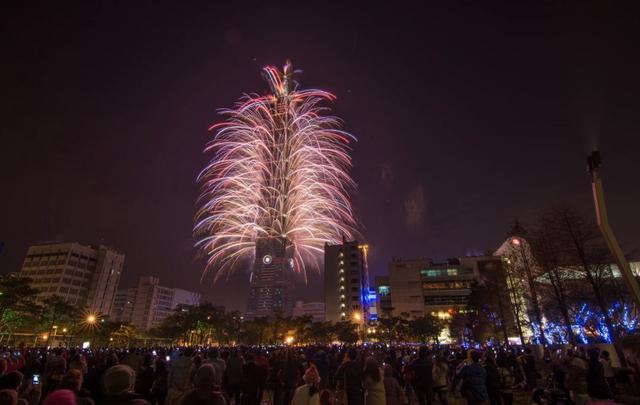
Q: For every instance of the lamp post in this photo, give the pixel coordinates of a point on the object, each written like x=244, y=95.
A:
x=357, y=318
x=593, y=163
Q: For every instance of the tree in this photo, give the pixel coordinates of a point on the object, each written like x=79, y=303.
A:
x=55, y=310
x=583, y=246
x=425, y=328
x=393, y=329
x=544, y=244
x=525, y=272
x=321, y=332
x=345, y=331
x=18, y=305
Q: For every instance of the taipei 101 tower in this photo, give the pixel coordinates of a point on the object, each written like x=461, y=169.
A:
x=271, y=282
x=276, y=191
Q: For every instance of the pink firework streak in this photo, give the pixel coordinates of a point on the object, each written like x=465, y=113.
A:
x=280, y=169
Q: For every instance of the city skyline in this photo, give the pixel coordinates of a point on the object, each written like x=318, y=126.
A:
x=466, y=118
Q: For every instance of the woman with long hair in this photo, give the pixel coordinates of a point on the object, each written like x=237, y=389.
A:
x=374, y=393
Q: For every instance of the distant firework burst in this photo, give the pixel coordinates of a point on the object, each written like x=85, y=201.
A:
x=280, y=169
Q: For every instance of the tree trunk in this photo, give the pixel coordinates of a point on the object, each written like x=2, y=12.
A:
x=534, y=295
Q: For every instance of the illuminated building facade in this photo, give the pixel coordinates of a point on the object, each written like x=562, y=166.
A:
x=424, y=287
x=383, y=292
x=346, y=282
x=82, y=275
x=271, y=283
x=148, y=303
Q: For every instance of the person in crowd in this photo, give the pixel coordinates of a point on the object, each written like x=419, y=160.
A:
x=440, y=374
x=326, y=397
x=160, y=386
x=597, y=386
x=213, y=358
x=321, y=361
x=289, y=376
x=179, y=376
x=528, y=367
x=506, y=379
x=474, y=380
x=233, y=375
x=3, y=366
x=55, y=368
x=11, y=380
x=251, y=382
x=8, y=397
x=145, y=377
x=493, y=379
x=72, y=381
x=309, y=392
x=609, y=373
x=393, y=392
x=631, y=350
x=133, y=360
x=577, y=371
x=206, y=391
x=119, y=381
x=349, y=378
x=61, y=397
x=373, y=383
x=196, y=362
x=422, y=383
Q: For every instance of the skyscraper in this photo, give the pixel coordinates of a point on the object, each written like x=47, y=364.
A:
x=82, y=275
x=271, y=281
x=346, y=282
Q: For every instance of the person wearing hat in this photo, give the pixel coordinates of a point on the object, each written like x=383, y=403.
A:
x=118, y=384
x=309, y=393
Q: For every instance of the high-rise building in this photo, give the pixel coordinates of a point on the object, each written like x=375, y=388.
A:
x=346, y=282
x=313, y=309
x=148, y=303
x=271, y=282
x=82, y=275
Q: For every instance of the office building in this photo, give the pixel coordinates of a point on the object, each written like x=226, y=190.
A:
x=313, y=309
x=346, y=282
x=271, y=282
x=86, y=276
x=148, y=303
x=420, y=287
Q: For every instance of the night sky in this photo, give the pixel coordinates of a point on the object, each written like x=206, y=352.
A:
x=466, y=117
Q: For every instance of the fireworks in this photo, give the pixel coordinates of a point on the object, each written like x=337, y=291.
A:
x=280, y=169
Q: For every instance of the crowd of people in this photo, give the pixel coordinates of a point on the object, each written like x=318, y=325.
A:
x=374, y=374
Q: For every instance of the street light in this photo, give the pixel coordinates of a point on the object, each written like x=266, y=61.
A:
x=357, y=318
x=91, y=319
